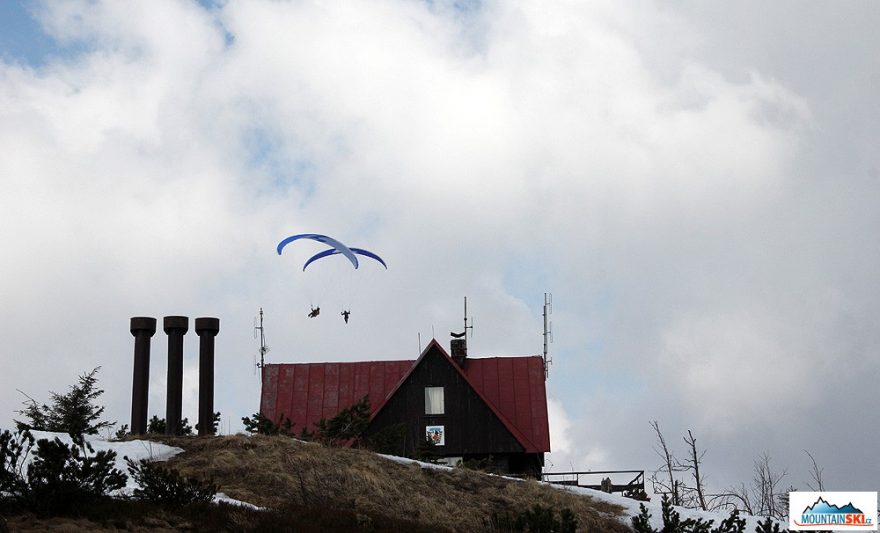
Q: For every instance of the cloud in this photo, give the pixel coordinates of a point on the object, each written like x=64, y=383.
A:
x=694, y=215
x=565, y=453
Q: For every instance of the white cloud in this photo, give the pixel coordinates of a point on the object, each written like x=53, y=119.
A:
x=682, y=214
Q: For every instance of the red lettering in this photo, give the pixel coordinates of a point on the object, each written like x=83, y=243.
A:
x=855, y=519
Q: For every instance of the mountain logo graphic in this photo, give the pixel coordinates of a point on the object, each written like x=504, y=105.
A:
x=823, y=507
x=821, y=514
x=836, y=510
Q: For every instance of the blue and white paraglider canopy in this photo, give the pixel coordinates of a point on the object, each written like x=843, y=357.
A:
x=334, y=251
x=338, y=247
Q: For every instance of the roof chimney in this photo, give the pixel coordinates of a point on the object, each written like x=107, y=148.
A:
x=458, y=347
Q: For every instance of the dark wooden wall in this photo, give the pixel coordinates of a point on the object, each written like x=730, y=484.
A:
x=471, y=428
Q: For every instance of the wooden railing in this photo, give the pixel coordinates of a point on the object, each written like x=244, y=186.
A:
x=578, y=479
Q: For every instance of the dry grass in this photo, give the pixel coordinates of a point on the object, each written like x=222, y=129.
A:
x=279, y=472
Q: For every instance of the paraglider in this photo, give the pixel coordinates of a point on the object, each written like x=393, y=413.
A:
x=334, y=251
x=336, y=248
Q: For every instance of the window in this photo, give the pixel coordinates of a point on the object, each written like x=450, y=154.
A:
x=434, y=401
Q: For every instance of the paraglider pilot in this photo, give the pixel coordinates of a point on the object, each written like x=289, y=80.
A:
x=315, y=312
x=345, y=314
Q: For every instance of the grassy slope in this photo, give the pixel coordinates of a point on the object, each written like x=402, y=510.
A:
x=276, y=472
x=309, y=487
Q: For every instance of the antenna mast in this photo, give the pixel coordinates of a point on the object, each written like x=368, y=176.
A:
x=263, y=348
x=466, y=327
x=548, y=331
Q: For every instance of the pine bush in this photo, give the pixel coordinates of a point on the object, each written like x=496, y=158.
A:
x=165, y=486
x=768, y=526
x=63, y=477
x=158, y=426
x=260, y=425
x=14, y=450
x=672, y=522
x=74, y=413
x=642, y=522
x=347, y=426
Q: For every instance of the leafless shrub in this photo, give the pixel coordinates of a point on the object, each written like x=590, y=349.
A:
x=764, y=497
x=818, y=484
x=663, y=479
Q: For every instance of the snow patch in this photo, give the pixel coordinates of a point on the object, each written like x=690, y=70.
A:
x=632, y=508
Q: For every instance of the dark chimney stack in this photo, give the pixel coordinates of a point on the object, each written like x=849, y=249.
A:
x=458, y=346
x=143, y=329
x=206, y=329
x=175, y=327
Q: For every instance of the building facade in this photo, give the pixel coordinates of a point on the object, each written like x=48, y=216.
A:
x=490, y=410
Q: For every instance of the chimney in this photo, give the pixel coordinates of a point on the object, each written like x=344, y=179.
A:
x=142, y=328
x=175, y=327
x=206, y=329
x=458, y=347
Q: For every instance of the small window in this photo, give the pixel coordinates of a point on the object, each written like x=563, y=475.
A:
x=434, y=401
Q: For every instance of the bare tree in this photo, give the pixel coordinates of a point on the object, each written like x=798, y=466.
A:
x=740, y=498
x=816, y=474
x=692, y=463
x=764, y=497
x=664, y=477
x=769, y=494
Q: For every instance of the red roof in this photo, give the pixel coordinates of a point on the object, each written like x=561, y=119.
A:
x=513, y=387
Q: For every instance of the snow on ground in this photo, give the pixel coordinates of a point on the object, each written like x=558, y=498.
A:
x=223, y=498
x=408, y=461
x=134, y=450
x=631, y=507
x=144, y=449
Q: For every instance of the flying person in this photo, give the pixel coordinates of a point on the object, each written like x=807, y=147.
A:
x=315, y=312
x=345, y=314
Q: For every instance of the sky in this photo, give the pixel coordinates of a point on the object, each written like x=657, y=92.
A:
x=696, y=184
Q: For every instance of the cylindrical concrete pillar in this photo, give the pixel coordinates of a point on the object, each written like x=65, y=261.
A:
x=143, y=328
x=206, y=329
x=175, y=327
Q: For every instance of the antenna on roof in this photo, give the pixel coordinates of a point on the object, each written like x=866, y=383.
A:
x=466, y=327
x=263, y=348
x=548, y=331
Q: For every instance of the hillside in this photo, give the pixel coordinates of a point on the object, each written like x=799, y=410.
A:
x=308, y=487
x=278, y=472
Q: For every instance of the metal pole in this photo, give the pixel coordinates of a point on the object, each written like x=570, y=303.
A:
x=143, y=329
x=548, y=333
x=206, y=329
x=175, y=327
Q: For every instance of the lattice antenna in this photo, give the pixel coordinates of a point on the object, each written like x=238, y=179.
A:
x=548, y=332
x=264, y=349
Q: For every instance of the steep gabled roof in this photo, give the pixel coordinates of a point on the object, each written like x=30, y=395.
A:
x=512, y=387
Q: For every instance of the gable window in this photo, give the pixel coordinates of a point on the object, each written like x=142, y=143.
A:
x=434, y=401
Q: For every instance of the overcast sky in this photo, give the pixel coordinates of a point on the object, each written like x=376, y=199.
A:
x=696, y=183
